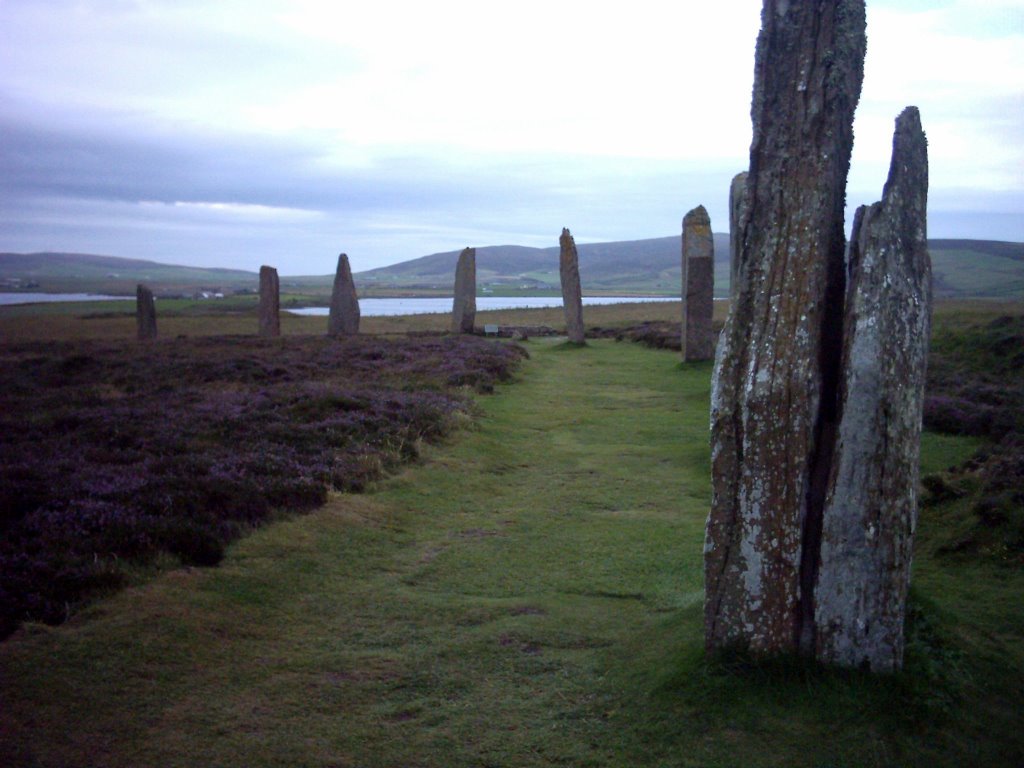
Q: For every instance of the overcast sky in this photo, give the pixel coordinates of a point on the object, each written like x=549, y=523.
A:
x=235, y=134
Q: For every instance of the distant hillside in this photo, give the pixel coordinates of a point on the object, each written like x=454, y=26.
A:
x=88, y=273
x=961, y=268
x=978, y=269
x=632, y=266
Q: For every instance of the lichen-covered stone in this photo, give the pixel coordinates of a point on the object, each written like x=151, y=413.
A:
x=738, y=211
x=145, y=313
x=697, y=339
x=777, y=365
x=270, y=302
x=572, y=294
x=343, y=319
x=464, y=303
x=871, y=506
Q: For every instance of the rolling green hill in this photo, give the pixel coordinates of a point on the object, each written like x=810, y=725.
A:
x=977, y=268
x=962, y=269
x=87, y=273
x=632, y=266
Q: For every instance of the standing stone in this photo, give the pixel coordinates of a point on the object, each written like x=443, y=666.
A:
x=698, y=286
x=145, y=313
x=344, y=315
x=871, y=504
x=270, y=302
x=464, y=303
x=774, y=390
x=572, y=295
x=737, y=222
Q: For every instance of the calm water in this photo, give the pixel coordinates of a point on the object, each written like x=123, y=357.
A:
x=382, y=307
x=37, y=298
x=369, y=307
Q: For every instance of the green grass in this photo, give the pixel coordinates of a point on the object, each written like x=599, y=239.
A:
x=976, y=273
x=529, y=595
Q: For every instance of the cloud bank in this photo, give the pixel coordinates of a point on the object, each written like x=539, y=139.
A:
x=234, y=134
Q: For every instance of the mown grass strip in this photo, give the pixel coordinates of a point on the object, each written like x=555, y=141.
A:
x=529, y=595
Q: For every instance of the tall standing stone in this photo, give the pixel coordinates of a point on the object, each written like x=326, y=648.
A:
x=343, y=319
x=145, y=313
x=774, y=390
x=871, y=504
x=464, y=303
x=737, y=222
x=698, y=342
x=572, y=294
x=270, y=302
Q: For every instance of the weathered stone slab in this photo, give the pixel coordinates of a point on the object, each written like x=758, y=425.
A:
x=871, y=505
x=145, y=313
x=697, y=339
x=464, y=303
x=572, y=294
x=270, y=302
x=774, y=388
x=738, y=211
x=343, y=319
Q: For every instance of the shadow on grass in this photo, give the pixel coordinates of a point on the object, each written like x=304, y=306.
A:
x=569, y=346
x=736, y=704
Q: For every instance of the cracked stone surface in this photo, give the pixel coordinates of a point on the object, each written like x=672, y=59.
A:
x=871, y=505
x=737, y=220
x=774, y=388
x=343, y=319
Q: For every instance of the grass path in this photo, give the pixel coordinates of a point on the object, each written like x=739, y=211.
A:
x=528, y=596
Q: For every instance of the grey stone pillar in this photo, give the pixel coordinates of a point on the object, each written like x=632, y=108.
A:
x=145, y=313
x=774, y=390
x=737, y=221
x=343, y=319
x=698, y=342
x=464, y=302
x=871, y=505
x=270, y=302
x=572, y=294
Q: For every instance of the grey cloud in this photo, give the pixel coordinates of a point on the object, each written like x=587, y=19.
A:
x=127, y=165
x=80, y=183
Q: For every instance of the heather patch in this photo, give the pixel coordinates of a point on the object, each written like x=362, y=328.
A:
x=976, y=379
x=656, y=334
x=976, y=387
x=117, y=452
